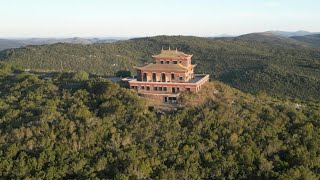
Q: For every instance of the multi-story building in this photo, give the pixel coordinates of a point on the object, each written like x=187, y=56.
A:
x=169, y=75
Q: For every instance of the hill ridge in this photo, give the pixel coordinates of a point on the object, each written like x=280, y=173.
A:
x=282, y=68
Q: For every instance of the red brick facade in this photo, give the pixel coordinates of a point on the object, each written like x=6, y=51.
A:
x=171, y=74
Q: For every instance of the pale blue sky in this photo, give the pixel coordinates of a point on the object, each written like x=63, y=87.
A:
x=105, y=18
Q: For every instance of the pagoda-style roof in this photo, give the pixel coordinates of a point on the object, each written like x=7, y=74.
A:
x=167, y=67
x=171, y=54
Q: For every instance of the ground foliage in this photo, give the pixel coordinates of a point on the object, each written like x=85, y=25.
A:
x=67, y=127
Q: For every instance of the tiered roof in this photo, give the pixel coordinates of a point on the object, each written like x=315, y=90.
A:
x=169, y=67
x=171, y=54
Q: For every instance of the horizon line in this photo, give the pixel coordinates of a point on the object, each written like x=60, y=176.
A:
x=142, y=36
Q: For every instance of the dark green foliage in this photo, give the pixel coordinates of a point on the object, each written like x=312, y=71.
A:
x=81, y=75
x=68, y=129
x=123, y=74
x=254, y=62
x=5, y=69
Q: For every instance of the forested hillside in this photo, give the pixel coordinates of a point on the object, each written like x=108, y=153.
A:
x=254, y=62
x=313, y=39
x=71, y=127
x=16, y=43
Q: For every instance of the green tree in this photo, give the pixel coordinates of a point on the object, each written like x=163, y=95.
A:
x=81, y=76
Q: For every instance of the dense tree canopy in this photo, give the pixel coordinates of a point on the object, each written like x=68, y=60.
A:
x=72, y=128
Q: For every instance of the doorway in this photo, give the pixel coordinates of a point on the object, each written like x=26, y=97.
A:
x=144, y=77
x=173, y=90
x=154, y=77
x=163, y=77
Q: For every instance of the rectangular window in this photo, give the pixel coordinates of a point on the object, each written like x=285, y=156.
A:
x=168, y=62
x=148, y=88
x=165, y=88
x=175, y=62
x=155, y=88
x=180, y=78
x=161, y=62
x=188, y=89
x=160, y=88
x=142, y=87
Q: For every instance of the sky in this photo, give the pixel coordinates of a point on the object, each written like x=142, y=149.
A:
x=133, y=18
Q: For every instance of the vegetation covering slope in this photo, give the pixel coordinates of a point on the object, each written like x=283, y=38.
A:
x=10, y=43
x=291, y=34
x=252, y=63
x=16, y=43
x=313, y=39
x=71, y=127
x=268, y=38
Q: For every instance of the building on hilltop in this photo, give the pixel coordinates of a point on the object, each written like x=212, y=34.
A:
x=169, y=75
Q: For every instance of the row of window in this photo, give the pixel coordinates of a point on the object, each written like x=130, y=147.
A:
x=168, y=62
x=163, y=77
x=148, y=88
x=170, y=99
x=158, y=88
x=173, y=62
x=155, y=88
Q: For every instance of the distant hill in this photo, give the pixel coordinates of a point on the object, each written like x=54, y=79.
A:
x=16, y=43
x=255, y=62
x=269, y=38
x=290, y=34
x=222, y=35
x=11, y=43
x=75, y=40
x=313, y=39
